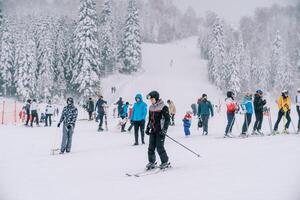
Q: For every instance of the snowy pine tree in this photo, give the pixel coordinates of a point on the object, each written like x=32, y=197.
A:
x=87, y=68
x=233, y=80
x=107, y=39
x=276, y=61
x=131, y=50
x=7, y=60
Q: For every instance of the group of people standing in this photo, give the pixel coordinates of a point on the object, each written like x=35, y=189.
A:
x=31, y=109
x=258, y=107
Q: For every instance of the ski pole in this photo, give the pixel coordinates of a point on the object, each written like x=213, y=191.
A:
x=198, y=155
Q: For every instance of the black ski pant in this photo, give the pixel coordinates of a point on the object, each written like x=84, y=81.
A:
x=90, y=115
x=259, y=116
x=27, y=117
x=34, y=116
x=230, y=122
x=48, y=117
x=205, y=123
x=100, y=117
x=139, y=125
x=172, y=119
x=281, y=113
x=247, y=121
x=156, y=141
x=298, y=111
x=131, y=125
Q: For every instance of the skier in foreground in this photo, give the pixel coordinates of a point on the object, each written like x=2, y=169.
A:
x=68, y=117
x=284, y=105
x=158, y=123
x=231, y=109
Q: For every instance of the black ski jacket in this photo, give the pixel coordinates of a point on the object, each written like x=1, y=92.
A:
x=159, y=118
x=259, y=103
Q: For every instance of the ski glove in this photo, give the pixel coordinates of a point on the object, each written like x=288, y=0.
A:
x=163, y=132
x=147, y=131
x=69, y=126
x=58, y=125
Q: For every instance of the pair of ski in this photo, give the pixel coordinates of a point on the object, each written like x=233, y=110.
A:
x=148, y=172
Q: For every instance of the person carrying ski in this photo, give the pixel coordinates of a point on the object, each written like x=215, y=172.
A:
x=172, y=111
x=231, y=109
x=119, y=103
x=157, y=127
x=259, y=104
x=247, y=107
x=34, y=112
x=124, y=116
x=205, y=109
x=49, y=111
x=298, y=108
x=27, y=110
x=284, y=105
x=139, y=113
x=68, y=118
x=187, y=122
x=90, y=108
x=99, y=108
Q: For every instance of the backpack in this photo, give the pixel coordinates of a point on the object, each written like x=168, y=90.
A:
x=231, y=107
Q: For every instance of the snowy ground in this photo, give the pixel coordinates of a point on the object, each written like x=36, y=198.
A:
x=266, y=168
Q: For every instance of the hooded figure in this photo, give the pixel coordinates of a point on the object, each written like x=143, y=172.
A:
x=139, y=113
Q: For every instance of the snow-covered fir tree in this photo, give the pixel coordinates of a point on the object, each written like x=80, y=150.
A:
x=233, y=79
x=276, y=61
x=7, y=60
x=107, y=39
x=27, y=66
x=87, y=68
x=217, y=69
x=131, y=50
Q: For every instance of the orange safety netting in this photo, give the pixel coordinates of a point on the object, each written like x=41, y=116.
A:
x=11, y=112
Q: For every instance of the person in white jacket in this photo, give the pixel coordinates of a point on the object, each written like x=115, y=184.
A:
x=298, y=107
x=34, y=112
x=49, y=111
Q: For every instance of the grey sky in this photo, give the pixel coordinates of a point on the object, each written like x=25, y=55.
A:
x=231, y=10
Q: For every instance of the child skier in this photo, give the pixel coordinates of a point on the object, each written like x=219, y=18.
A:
x=187, y=122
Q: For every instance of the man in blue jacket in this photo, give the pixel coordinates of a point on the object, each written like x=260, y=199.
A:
x=139, y=113
x=248, y=108
x=205, y=109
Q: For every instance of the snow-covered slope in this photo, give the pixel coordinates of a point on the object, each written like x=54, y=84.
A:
x=257, y=168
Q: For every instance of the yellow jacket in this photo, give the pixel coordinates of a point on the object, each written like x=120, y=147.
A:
x=284, y=103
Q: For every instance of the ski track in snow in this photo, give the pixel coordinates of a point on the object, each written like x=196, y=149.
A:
x=257, y=168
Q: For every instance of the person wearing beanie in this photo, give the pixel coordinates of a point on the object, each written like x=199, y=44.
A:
x=139, y=113
x=231, y=109
x=157, y=127
x=298, y=108
x=68, y=118
x=187, y=122
x=284, y=105
x=259, y=104
x=205, y=110
x=247, y=107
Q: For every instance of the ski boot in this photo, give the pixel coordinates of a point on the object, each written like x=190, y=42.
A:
x=260, y=133
x=204, y=133
x=100, y=129
x=228, y=135
x=285, y=131
x=165, y=165
x=151, y=165
x=243, y=135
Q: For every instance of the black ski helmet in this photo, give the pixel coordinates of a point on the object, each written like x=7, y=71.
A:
x=230, y=94
x=204, y=95
x=70, y=100
x=154, y=94
x=259, y=91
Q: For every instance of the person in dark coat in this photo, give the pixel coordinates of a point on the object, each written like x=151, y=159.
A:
x=27, y=110
x=99, y=108
x=124, y=116
x=119, y=103
x=157, y=127
x=259, y=104
x=90, y=108
x=205, y=109
x=68, y=118
x=34, y=112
